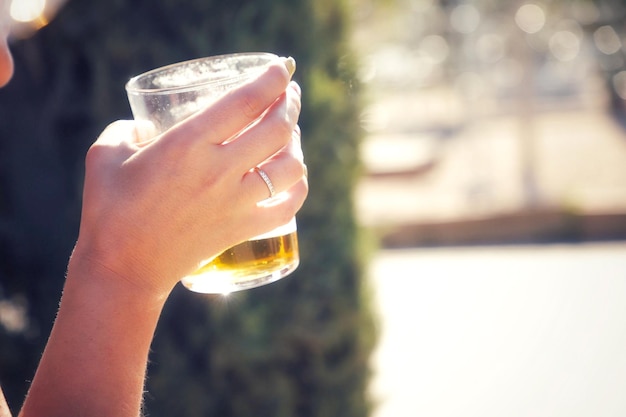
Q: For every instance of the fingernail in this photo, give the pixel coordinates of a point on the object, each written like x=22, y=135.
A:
x=290, y=63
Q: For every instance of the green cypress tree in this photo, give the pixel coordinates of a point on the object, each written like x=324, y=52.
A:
x=297, y=347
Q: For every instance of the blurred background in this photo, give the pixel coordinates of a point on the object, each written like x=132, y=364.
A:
x=495, y=178
x=464, y=242
x=490, y=110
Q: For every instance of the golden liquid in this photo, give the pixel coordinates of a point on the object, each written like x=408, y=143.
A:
x=247, y=265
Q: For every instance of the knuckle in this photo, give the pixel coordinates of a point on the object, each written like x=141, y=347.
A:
x=95, y=154
x=251, y=106
x=278, y=74
x=258, y=95
x=284, y=127
x=294, y=169
x=296, y=103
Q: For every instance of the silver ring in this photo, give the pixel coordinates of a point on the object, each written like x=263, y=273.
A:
x=267, y=181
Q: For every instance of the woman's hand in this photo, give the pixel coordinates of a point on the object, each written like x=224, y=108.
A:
x=152, y=210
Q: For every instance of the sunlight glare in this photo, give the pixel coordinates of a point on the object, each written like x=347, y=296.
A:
x=27, y=10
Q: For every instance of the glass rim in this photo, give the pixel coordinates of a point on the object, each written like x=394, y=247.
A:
x=131, y=87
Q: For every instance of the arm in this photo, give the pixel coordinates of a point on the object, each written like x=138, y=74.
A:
x=96, y=356
x=136, y=238
x=4, y=408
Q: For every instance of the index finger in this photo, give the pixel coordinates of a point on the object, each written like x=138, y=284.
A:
x=241, y=106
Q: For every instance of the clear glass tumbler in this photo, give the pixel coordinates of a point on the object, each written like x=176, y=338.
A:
x=165, y=96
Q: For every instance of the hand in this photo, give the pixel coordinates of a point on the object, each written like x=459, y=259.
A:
x=152, y=210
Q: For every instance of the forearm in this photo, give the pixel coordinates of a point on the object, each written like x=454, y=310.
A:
x=4, y=407
x=95, y=360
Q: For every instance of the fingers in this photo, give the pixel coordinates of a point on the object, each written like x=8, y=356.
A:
x=114, y=144
x=271, y=133
x=280, y=210
x=235, y=110
x=284, y=169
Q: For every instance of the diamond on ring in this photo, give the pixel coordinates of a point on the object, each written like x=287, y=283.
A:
x=267, y=181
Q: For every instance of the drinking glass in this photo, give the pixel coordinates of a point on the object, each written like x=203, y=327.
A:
x=167, y=95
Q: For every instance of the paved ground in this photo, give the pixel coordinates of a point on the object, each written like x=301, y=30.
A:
x=508, y=331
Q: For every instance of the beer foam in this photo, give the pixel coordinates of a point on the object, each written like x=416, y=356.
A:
x=279, y=231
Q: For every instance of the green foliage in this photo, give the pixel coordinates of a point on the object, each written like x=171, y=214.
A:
x=297, y=347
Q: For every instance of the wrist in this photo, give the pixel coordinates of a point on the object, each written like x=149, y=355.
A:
x=105, y=295
x=127, y=284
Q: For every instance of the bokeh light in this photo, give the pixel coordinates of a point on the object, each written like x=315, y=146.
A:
x=490, y=48
x=607, y=40
x=564, y=45
x=465, y=18
x=619, y=83
x=530, y=18
x=27, y=10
